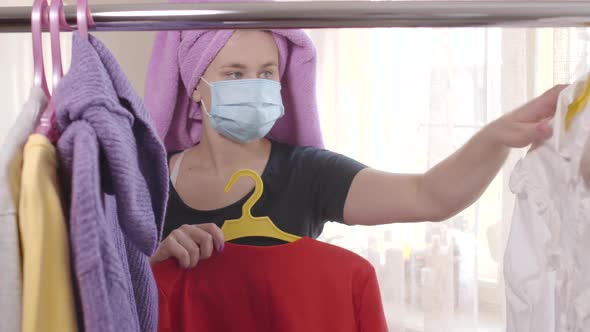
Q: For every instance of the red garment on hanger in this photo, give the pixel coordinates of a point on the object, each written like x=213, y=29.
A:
x=303, y=286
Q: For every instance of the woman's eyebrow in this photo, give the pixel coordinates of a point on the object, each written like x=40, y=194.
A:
x=234, y=65
x=270, y=64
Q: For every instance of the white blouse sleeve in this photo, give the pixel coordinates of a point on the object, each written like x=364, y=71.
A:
x=530, y=281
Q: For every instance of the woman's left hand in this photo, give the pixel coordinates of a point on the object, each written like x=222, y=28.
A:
x=529, y=123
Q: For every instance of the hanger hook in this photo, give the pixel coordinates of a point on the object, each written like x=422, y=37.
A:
x=38, y=19
x=56, y=22
x=83, y=18
x=258, y=189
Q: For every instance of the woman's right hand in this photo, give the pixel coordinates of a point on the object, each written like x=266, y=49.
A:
x=189, y=244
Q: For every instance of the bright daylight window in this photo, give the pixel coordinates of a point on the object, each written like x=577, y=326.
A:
x=401, y=100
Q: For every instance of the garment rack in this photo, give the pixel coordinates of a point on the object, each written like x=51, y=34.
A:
x=326, y=14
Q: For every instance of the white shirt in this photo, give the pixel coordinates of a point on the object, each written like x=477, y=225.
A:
x=10, y=174
x=547, y=259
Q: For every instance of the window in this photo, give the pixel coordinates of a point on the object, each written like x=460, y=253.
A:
x=401, y=100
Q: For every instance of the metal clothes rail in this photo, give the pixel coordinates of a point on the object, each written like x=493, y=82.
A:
x=327, y=14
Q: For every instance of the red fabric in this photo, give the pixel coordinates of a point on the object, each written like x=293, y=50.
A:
x=306, y=286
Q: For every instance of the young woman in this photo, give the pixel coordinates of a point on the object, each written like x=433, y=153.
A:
x=215, y=95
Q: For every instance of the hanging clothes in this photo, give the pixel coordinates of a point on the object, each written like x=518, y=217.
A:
x=117, y=182
x=545, y=266
x=48, y=297
x=10, y=180
x=306, y=285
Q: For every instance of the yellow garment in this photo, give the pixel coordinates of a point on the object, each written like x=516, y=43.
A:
x=48, y=299
x=577, y=105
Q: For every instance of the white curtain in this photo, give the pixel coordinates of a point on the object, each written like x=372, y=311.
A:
x=399, y=100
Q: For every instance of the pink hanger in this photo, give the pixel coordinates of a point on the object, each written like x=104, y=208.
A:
x=47, y=123
x=38, y=19
x=84, y=18
x=55, y=24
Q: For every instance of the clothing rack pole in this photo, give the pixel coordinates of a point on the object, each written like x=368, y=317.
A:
x=327, y=14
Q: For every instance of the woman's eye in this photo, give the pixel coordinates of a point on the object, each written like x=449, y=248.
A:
x=266, y=75
x=235, y=75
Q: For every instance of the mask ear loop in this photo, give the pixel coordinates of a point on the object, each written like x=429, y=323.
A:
x=205, y=108
x=202, y=102
x=204, y=80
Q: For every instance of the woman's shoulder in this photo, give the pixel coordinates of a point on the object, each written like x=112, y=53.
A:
x=311, y=158
x=295, y=150
x=286, y=156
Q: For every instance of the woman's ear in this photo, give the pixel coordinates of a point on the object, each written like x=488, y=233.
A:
x=197, y=95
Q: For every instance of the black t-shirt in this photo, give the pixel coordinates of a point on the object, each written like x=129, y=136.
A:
x=303, y=188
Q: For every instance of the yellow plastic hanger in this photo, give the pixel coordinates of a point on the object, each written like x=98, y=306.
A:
x=577, y=105
x=248, y=225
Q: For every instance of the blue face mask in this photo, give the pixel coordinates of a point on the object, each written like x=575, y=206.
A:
x=245, y=110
